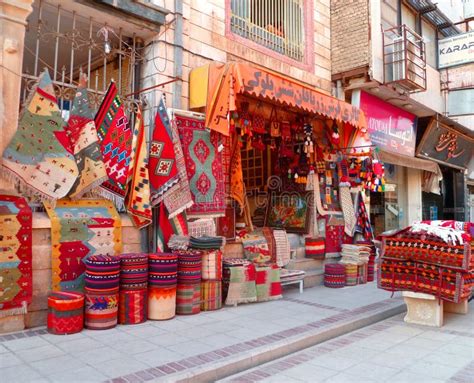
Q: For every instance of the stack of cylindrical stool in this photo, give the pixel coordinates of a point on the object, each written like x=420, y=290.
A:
x=211, y=283
x=334, y=275
x=133, y=288
x=162, y=281
x=102, y=280
x=65, y=312
x=351, y=274
x=188, y=292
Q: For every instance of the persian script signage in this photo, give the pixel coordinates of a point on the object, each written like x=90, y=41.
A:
x=446, y=145
x=456, y=50
x=390, y=128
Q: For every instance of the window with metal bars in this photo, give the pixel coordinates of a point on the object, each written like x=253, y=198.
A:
x=275, y=24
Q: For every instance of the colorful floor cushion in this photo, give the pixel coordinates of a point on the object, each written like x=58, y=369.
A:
x=211, y=295
x=65, y=313
x=189, y=266
x=133, y=306
x=16, y=285
x=334, y=275
x=101, y=310
x=133, y=271
x=188, y=299
x=161, y=302
x=102, y=274
x=315, y=247
x=162, y=269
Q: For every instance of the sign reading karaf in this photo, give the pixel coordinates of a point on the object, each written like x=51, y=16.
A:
x=446, y=145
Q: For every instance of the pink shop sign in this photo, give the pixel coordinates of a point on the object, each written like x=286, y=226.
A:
x=390, y=128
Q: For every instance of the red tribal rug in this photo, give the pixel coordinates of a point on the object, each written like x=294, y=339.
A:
x=204, y=167
x=40, y=154
x=116, y=145
x=16, y=286
x=85, y=144
x=138, y=199
x=167, y=227
x=80, y=229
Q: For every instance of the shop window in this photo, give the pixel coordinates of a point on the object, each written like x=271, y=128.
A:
x=253, y=168
x=277, y=25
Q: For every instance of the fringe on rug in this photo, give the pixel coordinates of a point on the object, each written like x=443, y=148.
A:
x=447, y=234
x=93, y=186
x=119, y=202
x=180, y=210
x=14, y=311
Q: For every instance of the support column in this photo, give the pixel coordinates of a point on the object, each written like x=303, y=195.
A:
x=414, y=201
x=13, y=14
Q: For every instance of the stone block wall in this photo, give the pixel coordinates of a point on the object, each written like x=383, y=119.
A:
x=38, y=309
x=349, y=34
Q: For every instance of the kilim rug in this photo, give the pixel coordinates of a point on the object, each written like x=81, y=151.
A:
x=256, y=247
x=204, y=167
x=65, y=313
x=335, y=235
x=167, y=227
x=138, y=198
x=115, y=137
x=40, y=154
x=16, y=286
x=239, y=283
x=362, y=219
x=85, y=144
x=282, y=247
x=267, y=283
x=211, y=295
x=80, y=229
x=347, y=206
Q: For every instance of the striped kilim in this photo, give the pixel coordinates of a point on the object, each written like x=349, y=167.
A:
x=267, y=283
x=211, y=295
x=133, y=306
x=101, y=310
x=212, y=265
x=133, y=271
x=189, y=266
x=188, y=299
x=161, y=302
x=334, y=275
x=65, y=313
x=162, y=269
x=351, y=274
x=102, y=274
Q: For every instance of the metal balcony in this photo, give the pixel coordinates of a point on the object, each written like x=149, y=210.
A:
x=404, y=59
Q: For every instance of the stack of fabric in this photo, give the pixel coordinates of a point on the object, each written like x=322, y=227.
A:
x=432, y=257
x=178, y=242
x=206, y=242
x=211, y=283
x=355, y=259
x=102, y=279
x=188, y=292
x=133, y=288
x=162, y=282
x=334, y=275
x=372, y=255
x=65, y=312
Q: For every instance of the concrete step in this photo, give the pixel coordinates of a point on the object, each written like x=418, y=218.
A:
x=304, y=264
x=313, y=278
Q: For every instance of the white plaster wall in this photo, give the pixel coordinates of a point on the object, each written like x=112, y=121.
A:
x=432, y=97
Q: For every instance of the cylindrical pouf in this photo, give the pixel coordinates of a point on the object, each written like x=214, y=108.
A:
x=188, y=299
x=101, y=310
x=211, y=265
x=334, y=275
x=161, y=302
x=362, y=273
x=351, y=274
x=211, y=295
x=189, y=266
x=162, y=270
x=133, y=306
x=315, y=247
x=65, y=312
x=133, y=271
x=102, y=274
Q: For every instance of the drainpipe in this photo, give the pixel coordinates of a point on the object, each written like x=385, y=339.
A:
x=178, y=53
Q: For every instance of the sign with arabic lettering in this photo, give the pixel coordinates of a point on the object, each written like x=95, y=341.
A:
x=229, y=80
x=390, y=128
x=445, y=145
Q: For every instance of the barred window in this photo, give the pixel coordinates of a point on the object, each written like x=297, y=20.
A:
x=275, y=24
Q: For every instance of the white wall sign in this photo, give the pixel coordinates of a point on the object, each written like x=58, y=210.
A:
x=456, y=50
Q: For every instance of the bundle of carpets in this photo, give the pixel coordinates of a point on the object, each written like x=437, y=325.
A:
x=102, y=279
x=433, y=257
x=372, y=255
x=133, y=288
x=162, y=282
x=211, y=283
x=188, y=292
x=178, y=242
x=355, y=259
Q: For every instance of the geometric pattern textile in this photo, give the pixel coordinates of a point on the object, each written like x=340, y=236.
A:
x=138, y=199
x=80, y=229
x=65, y=313
x=16, y=287
x=115, y=137
x=133, y=306
x=239, y=282
x=85, y=144
x=101, y=310
x=268, y=283
x=39, y=154
x=362, y=219
x=161, y=302
x=204, y=167
x=211, y=295
x=188, y=299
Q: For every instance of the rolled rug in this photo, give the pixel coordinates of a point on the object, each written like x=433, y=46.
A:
x=211, y=265
x=211, y=295
x=101, y=310
x=102, y=274
x=162, y=270
x=133, y=271
x=188, y=299
x=334, y=275
x=161, y=302
x=65, y=313
x=189, y=266
x=315, y=248
x=133, y=306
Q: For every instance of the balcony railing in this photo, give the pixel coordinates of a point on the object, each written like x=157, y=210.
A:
x=404, y=58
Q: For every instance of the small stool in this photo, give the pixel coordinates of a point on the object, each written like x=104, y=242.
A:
x=65, y=312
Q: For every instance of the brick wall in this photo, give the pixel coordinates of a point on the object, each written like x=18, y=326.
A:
x=38, y=309
x=349, y=34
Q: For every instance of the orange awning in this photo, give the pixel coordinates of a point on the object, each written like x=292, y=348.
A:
x=226, y=81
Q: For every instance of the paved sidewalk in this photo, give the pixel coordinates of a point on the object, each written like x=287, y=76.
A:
x=201, y=347
x=390, y=351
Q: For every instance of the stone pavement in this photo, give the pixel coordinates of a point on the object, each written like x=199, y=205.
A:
x=389, y=351
x=203, y=347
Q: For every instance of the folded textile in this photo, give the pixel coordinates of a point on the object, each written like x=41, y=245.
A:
x=206, y=242
x=178, y=242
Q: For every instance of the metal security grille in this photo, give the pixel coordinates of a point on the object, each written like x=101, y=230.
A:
x=67, y=44
x=275, y=24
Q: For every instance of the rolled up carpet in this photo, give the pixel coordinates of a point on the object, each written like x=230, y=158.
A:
x=133, y=306
x=189, y=266
x=188, y=299
x=101, y=310
x=334, y=275
x=211, y=295
x=161, y=302
x=65, y=312
x=162, y=269
x=102, y=274
x=133, y=271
